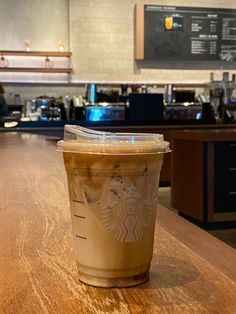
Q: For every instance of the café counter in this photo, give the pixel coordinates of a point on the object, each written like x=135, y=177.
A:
x=204, y=175
x=165, y=127
x=191, y=272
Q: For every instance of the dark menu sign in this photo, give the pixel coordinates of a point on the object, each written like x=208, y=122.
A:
x=189, y=33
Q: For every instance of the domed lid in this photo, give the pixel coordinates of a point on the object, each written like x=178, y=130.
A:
x=78, y=139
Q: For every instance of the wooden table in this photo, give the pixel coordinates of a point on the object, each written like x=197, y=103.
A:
x=192, y=272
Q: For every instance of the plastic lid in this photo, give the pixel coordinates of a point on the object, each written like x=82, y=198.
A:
x=78, y=139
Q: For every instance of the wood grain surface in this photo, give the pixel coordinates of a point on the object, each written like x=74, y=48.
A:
x=191, y=272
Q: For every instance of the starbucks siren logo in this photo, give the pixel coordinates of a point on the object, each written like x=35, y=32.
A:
x=128, y=212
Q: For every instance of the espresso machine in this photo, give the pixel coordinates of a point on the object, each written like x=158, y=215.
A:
x=222, y=99
x=42, y=108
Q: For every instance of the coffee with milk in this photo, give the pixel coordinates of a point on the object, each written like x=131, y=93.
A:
x=113, y=181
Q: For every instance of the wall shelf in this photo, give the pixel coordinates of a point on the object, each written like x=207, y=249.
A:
x=115, y=84
x=17, y=63
x=41, y=70
x=36, y=53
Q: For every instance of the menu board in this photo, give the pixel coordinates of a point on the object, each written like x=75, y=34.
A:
x=186, y=33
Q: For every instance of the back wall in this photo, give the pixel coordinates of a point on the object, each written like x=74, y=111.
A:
x=102, y=42
x=100, y=34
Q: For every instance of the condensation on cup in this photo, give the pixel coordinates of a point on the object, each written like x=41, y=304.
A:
x=113, y=181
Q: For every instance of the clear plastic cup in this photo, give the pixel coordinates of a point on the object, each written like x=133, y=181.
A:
x=113, y=181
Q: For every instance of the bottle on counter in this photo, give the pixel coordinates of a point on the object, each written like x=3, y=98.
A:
x=78, y=108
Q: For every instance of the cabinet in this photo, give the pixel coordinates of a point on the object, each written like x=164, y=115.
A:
x=224, y=168
x=203, y=175
x=35, y=61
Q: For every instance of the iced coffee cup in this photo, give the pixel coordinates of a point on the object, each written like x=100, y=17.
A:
x=113, y=181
